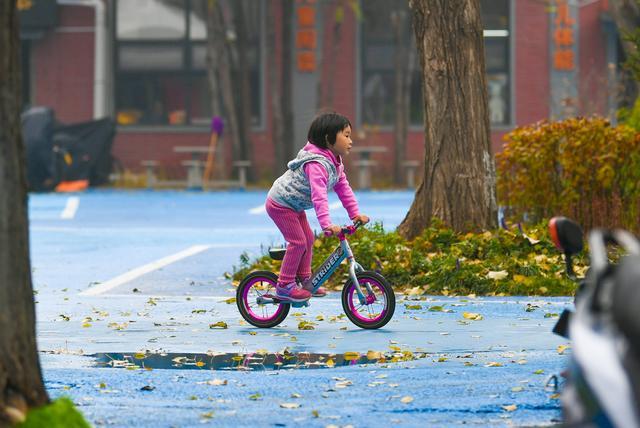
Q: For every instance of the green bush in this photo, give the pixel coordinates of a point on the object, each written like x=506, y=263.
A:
x=59, y=414
x=440, y=261
x=582, y=168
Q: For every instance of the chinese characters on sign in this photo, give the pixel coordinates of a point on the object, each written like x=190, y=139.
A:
x=563, y=57
x=306, y=35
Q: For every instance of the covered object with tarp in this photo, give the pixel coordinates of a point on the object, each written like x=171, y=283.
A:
x=59, y=154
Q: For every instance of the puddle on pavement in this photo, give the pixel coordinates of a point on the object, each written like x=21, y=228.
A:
x=250, y=361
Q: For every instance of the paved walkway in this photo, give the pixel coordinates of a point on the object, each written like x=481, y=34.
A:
x=136, y=273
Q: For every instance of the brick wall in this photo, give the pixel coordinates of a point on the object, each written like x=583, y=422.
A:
x=62, y=64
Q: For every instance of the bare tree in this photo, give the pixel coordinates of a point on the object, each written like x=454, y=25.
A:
x=280, y=80
x=403, y=70
x=458, y=184
x=626, y=14
x=21, y=384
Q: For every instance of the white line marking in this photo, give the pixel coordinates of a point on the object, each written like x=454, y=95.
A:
x=71, y=208
x=137, y=272
x=335, y=205
x=258, y=210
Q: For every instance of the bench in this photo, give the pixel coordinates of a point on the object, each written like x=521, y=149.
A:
x=150, y=168
x=411, y=166
x=195, y=170
x=364, y=164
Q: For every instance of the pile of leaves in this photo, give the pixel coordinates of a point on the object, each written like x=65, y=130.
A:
x=443, y=262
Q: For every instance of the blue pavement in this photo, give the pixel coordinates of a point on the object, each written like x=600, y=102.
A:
x=103, y=288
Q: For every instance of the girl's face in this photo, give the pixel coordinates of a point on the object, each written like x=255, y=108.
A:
x=343, y=144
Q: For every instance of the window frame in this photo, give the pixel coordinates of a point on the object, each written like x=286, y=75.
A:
x=511, y=87
x=187, y=71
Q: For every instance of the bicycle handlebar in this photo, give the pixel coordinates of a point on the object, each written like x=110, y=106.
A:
x=347, y=230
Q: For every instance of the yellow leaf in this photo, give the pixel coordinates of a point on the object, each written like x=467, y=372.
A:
x=519, y=279
x=510, y=408
x=306, y=325
x=219, y=324
x=406, y=399
x=230, y=300
x=139, y=356
x=200, y=364
x=374, y=355
x=494, y=364
x=351, y=356
x=330, y=363
x=472, y=316
x=562, y=348
x=86, y=325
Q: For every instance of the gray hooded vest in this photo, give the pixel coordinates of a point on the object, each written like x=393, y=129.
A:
x=292, y=189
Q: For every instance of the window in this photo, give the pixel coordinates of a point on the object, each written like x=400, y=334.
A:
x=160, y=61
x=377, y=62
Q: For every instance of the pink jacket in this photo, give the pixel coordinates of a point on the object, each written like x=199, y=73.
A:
x=318, y=178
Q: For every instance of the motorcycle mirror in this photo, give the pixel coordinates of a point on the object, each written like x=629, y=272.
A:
x=566, y=235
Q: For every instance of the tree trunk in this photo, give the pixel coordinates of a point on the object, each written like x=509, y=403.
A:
x=216, y=27
x=242, y=81
x=401, y=65
x=287, y=80
x=20, y=376
x=626, y=15
x=277, y=124
x=458, y=184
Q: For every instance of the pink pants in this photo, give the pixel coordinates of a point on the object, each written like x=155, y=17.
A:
x=296, y=231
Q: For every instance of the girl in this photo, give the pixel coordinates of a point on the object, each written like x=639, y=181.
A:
x=317, y=168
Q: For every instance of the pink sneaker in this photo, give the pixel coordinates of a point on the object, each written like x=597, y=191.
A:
x=291, y=292
x=306, y=285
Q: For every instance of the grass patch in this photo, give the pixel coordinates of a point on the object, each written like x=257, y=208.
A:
x=59, y=414
x=443, y=262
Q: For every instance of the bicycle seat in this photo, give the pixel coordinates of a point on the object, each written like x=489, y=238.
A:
x=277, y=253
x=566, y=235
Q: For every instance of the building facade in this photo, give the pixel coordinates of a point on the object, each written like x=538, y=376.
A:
x=143, y=63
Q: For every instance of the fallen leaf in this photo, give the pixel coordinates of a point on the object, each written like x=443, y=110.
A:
x=289, y=405
x=406, y=399
x=147, y=388
x=494, y=364
x=510, y=408
x=306, y=325
x=351, y=356
x=562, y=348
x=219, y=324
x=497, y=275
x=374, y=355
x=472, y=316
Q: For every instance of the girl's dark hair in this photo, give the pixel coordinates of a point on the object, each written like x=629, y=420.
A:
x=324, y=128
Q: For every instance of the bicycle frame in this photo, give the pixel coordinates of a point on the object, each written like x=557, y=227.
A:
x=326, y=269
